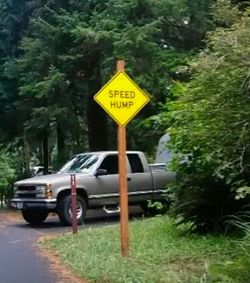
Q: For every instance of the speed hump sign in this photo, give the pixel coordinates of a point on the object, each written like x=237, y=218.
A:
x=121, y=98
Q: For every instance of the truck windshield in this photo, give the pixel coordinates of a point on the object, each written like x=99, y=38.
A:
x=82, y=163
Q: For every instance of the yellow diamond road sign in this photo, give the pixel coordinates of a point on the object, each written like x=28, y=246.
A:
x=121, y=98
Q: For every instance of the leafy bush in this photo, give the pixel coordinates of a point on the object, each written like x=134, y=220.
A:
x=6, y=178
x=210, y=131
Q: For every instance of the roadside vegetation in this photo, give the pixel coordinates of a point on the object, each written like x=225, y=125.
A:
x=209, y=129
x=192, y=57
x=159, y=252
x=7, y=175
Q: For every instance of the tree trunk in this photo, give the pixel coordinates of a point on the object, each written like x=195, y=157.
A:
x=96, y=116
x=60, y=146
x=97, y=126
x=26, y=158
x=45, y=153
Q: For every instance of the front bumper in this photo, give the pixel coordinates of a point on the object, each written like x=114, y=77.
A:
x=21, y=203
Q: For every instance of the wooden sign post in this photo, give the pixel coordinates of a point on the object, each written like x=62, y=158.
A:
x=123, y=184
x=73, y=203
x=122, y=99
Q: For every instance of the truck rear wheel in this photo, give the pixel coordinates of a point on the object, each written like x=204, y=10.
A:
x=34, y=217
x=64, y=210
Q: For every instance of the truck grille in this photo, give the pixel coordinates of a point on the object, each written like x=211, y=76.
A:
x=26, y=188
x=26, y=191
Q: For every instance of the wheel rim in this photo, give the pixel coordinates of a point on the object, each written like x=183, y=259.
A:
x=79, y=210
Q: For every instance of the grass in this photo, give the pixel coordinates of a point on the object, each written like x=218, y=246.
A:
x=238, y=268
x=159, y=252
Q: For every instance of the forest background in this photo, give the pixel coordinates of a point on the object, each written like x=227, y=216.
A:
x=192, y=57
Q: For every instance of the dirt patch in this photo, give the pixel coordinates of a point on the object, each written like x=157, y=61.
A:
x=63, y=273
x=7, y=216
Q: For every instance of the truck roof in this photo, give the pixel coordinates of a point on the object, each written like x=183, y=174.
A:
x=109, y=151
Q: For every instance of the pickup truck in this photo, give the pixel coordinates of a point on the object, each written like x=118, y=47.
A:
x=97, y=183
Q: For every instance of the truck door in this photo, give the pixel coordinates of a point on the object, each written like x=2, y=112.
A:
x=104, y=188
x=140, y=187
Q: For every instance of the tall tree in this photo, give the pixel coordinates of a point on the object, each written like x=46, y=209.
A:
x=69, y=51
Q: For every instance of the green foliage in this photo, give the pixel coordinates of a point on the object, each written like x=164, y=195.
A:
x=235, y=270
x=225, y=14
x=159, y=252
x=210, y=130
x=48, y=100
x=63, y=53
x=7, y=174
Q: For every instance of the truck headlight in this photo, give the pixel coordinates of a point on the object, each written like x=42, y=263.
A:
x=41, y=191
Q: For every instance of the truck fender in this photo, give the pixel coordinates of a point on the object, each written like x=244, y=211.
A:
x=66, y=191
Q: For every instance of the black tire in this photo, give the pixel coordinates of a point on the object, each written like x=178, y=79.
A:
x=34, y=217
x=63, y=210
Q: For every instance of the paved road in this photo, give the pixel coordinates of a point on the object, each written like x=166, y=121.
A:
x=20, y=261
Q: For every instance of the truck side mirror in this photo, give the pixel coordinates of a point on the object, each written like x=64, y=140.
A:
x=101, y=172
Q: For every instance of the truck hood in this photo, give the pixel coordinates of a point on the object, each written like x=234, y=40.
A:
x=51, y=178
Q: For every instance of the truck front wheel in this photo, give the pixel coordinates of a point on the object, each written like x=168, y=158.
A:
x=34, y=217
x=64, y=210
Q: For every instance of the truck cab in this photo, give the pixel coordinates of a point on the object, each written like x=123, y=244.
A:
x=97, y=181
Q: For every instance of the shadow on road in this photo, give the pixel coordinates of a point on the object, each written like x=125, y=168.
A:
x=94, y=218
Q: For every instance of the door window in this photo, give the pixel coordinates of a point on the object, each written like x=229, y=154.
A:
x=135, y=163
x=110, y=163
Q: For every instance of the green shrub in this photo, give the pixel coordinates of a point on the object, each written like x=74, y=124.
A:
x=210, y=132
x=7, y=174
x=206, y=202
